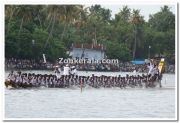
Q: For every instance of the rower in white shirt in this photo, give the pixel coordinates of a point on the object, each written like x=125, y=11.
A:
x=150, y=67
x=73, y=70
x=66, y=70
x=57, y=71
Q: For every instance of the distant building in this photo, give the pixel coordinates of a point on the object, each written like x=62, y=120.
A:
x=87, y=51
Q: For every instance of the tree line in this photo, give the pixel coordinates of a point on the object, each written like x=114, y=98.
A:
x=31, y=30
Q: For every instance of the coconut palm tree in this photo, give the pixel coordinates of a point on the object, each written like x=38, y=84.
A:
x=124, y=14
x=39, y=15
x=66, y=14
x=137, y=21
x=81, y=22
x=9, y=13
x=26, y=14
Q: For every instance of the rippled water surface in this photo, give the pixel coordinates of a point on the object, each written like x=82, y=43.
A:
x=92, y=103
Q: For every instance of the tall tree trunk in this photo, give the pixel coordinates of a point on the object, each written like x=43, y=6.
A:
x=95, y=36
x=20, y=28
x=39, y=21
x=62, y=35
x=50, y=34
x=49, y=24
x=11, y=16
x=135, y=43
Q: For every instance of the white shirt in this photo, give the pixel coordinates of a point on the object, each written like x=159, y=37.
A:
x=12, y=78
x=150, y=67
x=66, y=71
x=74, y=72
x=54, y=81
x=25, y=79
x=33, y=81
x=18, y=79
x=155, y=71
x=58, y=74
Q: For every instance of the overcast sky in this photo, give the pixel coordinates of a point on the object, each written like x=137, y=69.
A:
x=145, y=10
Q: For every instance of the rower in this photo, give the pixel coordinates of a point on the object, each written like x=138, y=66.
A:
x=66, y=70
x=57, y=71
x=11, y=76
x=10, y=80
x=150, y=67
x=155, y=71
x=73, y=70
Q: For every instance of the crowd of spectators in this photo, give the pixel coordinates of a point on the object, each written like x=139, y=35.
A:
x=12, y=63
x=123, y=67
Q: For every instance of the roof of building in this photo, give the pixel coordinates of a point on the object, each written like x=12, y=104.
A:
x=89, y=46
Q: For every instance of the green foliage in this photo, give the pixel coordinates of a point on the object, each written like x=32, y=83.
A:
x=118, y=51
x=55, y=27
x=163, y=20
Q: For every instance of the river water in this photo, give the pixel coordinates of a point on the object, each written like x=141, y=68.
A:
x=92, y=103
